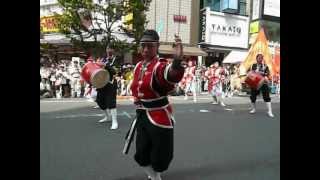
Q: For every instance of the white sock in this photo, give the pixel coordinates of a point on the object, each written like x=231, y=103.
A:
x=157, y=177
x=150, y=172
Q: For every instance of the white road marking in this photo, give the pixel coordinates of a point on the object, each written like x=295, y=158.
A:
x=79, y=101
x=127, y=114
x=78, y=115
x=124, y=113
x=68, y=101
x=204, y=110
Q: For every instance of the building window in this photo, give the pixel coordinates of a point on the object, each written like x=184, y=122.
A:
x=215, y=5
x=243, y=7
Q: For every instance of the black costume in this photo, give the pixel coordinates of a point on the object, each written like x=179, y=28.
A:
x=107, y=95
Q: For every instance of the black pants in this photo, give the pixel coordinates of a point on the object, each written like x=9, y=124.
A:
x=154, y=145
x=265, y=93
x=202, y=85
x=107, y=96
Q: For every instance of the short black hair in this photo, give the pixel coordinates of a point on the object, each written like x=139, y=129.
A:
x=259, y=54
x=150, y=35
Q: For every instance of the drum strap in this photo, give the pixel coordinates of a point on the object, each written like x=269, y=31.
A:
x=258, y=69
x=263, y=68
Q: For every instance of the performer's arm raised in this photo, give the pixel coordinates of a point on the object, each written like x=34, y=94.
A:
x=176, y=70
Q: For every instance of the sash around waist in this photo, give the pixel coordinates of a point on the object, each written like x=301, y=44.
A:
x=153, y=104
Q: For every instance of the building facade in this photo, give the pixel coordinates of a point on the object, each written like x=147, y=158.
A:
x=180, y=17
x=265, y=14
x=224, y=28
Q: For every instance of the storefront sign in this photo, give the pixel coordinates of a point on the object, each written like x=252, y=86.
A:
x=180, y=18
x=254, y=27
x=226, y=30
x=203, y=25
x=48, y=24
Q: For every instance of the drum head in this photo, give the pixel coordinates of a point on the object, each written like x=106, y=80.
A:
x=100, y=78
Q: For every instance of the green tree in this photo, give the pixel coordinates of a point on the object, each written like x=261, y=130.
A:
x=139, y=20
x=90, y=25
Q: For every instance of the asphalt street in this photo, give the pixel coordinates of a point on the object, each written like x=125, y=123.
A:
x=211, y=142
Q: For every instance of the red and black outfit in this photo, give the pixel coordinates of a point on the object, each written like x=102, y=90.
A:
x=151, y=84
x=264, y=71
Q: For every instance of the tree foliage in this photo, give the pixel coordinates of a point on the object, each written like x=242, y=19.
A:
x=139, y=20
x=91, y=25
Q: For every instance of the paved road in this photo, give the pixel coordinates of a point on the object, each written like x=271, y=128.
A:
x=211, y=142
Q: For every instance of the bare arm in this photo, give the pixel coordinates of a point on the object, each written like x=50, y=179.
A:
x=176, y=68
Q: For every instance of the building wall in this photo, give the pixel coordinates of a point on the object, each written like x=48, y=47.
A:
x=248, y=8
x=49, y=7
x=160, y=17
x=195, y=14
x=47, y=2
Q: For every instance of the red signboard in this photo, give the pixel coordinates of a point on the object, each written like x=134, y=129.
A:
x=180, y=18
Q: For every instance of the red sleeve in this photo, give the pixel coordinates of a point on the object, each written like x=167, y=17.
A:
x=167, y=77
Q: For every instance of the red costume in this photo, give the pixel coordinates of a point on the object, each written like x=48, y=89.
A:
x=150, y=87
x=214, y=75
x=189, y=74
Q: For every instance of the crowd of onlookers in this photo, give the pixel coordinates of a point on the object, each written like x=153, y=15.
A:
x=62, y=80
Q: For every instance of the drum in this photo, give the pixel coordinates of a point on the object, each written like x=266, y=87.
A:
x=254, y=80
x=94, y=74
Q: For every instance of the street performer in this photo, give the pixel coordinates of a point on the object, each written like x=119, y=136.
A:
x=153, y=79
x=190, y=79
x=262, y=69
x=215, y=75
x=107, y=95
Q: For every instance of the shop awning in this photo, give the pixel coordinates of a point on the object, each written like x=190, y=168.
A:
x=235, y=56
x=56, y=38
x=55, y=41
x=188, y=51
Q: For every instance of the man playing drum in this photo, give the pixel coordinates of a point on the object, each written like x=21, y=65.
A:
x=262, y=69
x=107, y=95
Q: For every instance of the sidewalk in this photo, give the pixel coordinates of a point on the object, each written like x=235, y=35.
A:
x=205, y=94
x=81, y=99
